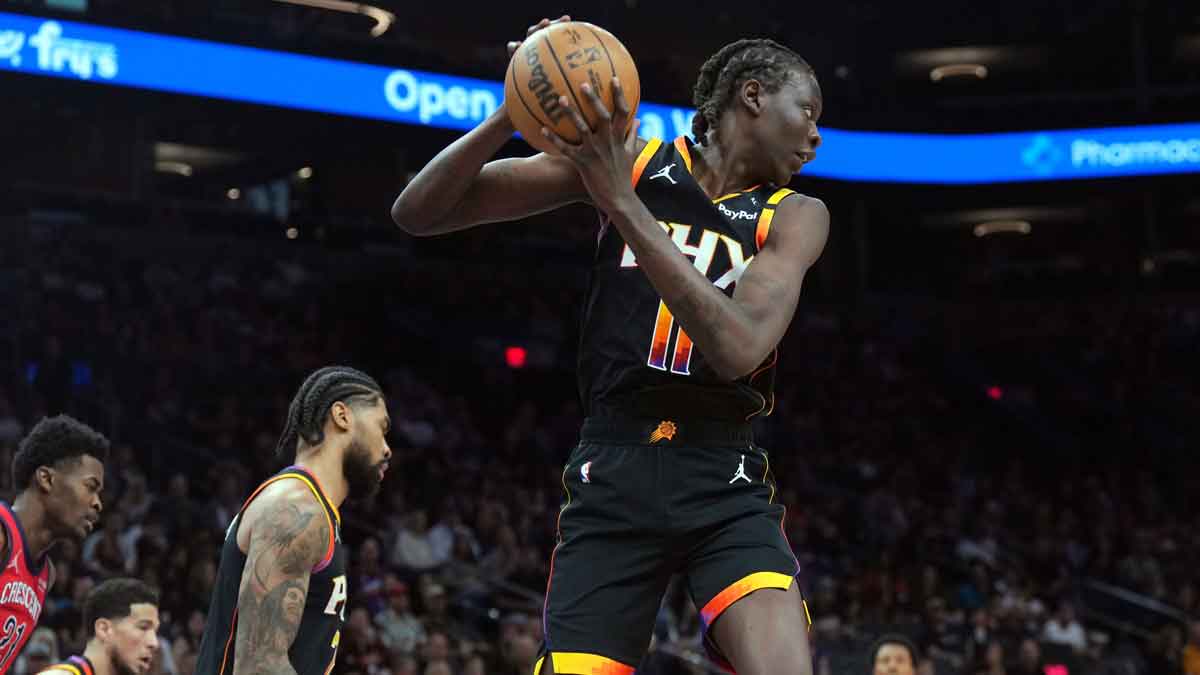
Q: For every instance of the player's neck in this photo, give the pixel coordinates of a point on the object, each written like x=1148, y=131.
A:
x=720, y=169
x=327, y=468
x=97, y=655
x=32, y=515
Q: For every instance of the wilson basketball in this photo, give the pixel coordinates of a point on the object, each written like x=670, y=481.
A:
x=554, y=62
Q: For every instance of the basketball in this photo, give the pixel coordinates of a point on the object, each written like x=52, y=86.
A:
x=554, y=62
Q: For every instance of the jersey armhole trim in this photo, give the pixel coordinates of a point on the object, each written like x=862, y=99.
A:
x=8, y=550
x=681, y=146
x=768, y=214
x=328, y=557
x=644, y=157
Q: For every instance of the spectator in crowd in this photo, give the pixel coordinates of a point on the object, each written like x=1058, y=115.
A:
x=400, y=631
x=1029, y=658
x=1064, y=629
x=894, y=655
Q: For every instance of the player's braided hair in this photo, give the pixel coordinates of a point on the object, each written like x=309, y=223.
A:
x=726, y=71
x=310, y=407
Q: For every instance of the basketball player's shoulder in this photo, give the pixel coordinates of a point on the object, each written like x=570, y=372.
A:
x=288, y=507
x=799, y=225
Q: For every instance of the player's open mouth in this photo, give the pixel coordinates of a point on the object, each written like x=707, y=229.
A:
x=382, y=470
x=145, y=662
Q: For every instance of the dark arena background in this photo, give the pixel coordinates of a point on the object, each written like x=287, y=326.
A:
x=988, y=408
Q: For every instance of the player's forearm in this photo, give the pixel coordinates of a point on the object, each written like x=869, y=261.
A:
x=267, y=626
x=718, y=327
x=436, y=191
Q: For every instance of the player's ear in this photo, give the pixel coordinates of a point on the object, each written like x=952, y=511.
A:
x=341, y=415
x=44, y=477
x=103, y=628
x=750, y=96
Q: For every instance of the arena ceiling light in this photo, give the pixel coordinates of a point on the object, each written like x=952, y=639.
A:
x=955, y=70
x=1069, y=215
x=168, y=166
x=383, y=18
x=998, y=226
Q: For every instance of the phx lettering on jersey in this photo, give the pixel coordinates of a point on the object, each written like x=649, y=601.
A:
x=702, y=252
x=21, y=594
x=540, y=85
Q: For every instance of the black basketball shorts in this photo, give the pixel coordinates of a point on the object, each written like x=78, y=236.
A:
x=646, y=499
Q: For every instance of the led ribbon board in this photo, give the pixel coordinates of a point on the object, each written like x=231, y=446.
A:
x=78, y=51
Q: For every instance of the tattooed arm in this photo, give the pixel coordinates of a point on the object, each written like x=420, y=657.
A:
x=289, y=534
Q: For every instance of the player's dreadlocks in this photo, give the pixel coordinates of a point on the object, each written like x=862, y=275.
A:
x=726, y=71
x=307, y=413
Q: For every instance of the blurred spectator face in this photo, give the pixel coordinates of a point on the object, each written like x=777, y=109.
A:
x=360, y=621
x=83, y=586
x=513, y=626
x=439, y=667
x=1194, y=629
x=196, y=624
x=435, y=601
x=178, y=487
x=935, y=610
x=980, y=619
x=418, y=521
x=894, y=659
x=1064, y=615
x=462, y=547
x=405, y=665
x=368, y=554
x=475, y=666
x=437, y=647
x=995, y=655
x=1031, y=654
x=398, y=599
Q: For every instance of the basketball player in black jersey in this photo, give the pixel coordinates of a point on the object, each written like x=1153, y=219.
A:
x=121, y=616
x=701, y=255
x=280, y=597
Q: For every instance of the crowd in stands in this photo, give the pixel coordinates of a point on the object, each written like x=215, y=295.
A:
x=1013, y=495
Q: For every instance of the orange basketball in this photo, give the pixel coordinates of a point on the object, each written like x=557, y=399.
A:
x=554, y=62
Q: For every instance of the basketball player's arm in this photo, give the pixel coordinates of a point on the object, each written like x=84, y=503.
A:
x=289, y=537
x=735, y=334
x=456, y=190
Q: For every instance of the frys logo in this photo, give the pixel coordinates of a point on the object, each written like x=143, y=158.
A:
x=540, y=86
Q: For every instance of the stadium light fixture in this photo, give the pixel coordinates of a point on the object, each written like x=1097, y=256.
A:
x=383, y=18
x=997, y=226
x=976, y=70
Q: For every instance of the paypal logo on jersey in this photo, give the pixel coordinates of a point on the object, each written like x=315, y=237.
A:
x=740, y=214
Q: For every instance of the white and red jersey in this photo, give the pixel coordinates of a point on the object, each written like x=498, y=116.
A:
x=23, y=585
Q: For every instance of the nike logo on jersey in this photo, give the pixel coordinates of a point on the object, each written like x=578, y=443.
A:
x=665, y=172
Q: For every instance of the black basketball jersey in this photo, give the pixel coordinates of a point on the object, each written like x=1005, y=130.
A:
x=315, y=647
x=634, y=358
